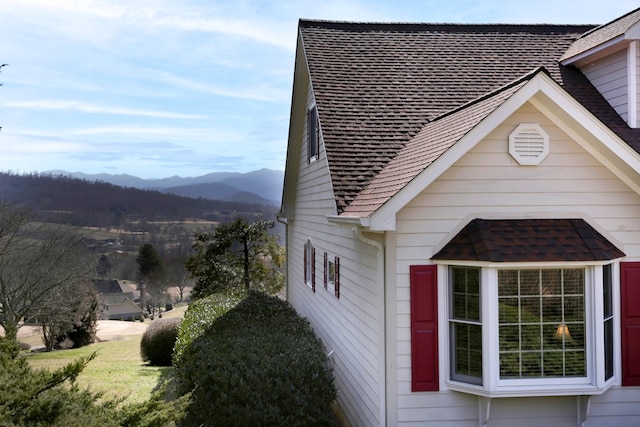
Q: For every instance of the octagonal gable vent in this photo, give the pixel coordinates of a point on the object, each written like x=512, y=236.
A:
x=529, y=144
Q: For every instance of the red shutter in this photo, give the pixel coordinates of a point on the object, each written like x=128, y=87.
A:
x=424, y=328
x=630, y=320
x=326, y=272
x=336, y=278
x=313, y=269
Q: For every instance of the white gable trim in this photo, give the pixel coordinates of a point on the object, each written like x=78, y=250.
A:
x=384, y=219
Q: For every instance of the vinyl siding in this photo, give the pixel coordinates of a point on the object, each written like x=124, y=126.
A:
x=609, y=76
x=349, y=326
x=488, y=181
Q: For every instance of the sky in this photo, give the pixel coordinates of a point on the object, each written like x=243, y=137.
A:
x=160, y=88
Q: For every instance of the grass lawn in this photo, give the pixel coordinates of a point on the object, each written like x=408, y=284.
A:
x=117, y=370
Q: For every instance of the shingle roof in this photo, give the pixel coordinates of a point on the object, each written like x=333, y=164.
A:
x=433, y=140
x=377, y=85
x=529, y=240
x=602, y=34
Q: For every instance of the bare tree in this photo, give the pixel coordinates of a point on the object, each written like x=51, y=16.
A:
x=178, y=273
x=40, y=267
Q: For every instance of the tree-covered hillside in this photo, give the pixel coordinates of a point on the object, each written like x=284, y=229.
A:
x=57, y=198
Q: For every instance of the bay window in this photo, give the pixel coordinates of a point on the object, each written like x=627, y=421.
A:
x=516, y=330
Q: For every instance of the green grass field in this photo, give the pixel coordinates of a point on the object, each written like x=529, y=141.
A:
x=117, y=370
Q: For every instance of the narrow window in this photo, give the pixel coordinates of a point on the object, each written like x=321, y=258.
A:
x=607, y=302
x=312, y=134
x=309, y=265
x=465, y=326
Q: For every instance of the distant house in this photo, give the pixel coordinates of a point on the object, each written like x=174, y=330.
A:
x=119, y=307
x=117, y=300
x=463, y=219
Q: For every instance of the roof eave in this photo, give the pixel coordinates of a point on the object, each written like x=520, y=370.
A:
x=597, y=51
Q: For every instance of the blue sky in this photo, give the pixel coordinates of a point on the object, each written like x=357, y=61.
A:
x=156, y=88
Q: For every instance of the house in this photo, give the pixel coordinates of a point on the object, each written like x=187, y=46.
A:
x=462, y=209
x=119, y=307
x=118, y=299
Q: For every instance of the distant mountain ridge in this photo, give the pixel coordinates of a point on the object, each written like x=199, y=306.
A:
x=260, y=186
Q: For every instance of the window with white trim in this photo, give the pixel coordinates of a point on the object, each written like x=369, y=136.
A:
x=332, y=274
x=520, y=330
x=309, y=265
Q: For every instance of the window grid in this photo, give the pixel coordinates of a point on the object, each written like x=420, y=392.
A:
x=466, y=326
x=542, y=325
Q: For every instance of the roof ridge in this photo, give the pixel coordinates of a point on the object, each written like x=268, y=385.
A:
x=388, y=24
x=600, y=27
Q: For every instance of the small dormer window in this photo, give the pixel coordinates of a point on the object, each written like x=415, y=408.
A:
x=529, y=144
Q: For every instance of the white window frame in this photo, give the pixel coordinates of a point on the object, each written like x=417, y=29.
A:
x=331, y=284
x=492, y=385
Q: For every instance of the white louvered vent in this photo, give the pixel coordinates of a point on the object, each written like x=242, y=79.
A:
x=529, y=144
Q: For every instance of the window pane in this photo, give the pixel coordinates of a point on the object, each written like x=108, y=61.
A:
x=552, y=309
x=465, y=327
x=530, y=337
x=466, y=294
x=573, y=281
x=607, y=288
x=529, y=282
x=542, y=326
x=531, y=364
x=607, y=300
x=467, y=362
x=608, y=349
x=508, y=282
x=551, y=282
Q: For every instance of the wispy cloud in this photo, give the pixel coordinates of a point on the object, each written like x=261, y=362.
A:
x=100, y=109
x=262, y=92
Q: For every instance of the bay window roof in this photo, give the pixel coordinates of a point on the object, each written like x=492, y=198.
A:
x=529, y=240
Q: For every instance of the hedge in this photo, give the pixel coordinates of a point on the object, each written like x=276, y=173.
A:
x=156, y=345
x=259, y=364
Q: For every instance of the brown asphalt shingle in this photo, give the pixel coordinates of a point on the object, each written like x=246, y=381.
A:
x=602, y=34
x=377, y=86
x=528, y=240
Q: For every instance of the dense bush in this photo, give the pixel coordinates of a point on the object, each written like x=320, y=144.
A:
x=260, y=364
x=156, y=346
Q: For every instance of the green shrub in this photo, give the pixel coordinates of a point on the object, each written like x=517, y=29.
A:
x=259, y=364
x=156, y=346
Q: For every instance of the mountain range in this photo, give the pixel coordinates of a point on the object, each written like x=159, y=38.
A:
x=261, y=186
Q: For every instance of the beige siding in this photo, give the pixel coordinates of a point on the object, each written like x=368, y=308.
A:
x=485, y=182
x=349, y=326
x=609, y=76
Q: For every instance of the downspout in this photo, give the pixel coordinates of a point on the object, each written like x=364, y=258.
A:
x=382, y=335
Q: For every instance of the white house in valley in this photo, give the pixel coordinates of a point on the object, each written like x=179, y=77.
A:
x=462, y=205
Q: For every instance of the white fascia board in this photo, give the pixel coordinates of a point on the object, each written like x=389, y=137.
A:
x=346, y=221
x=384, y=218
x=567, y=104
x=596, y=52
